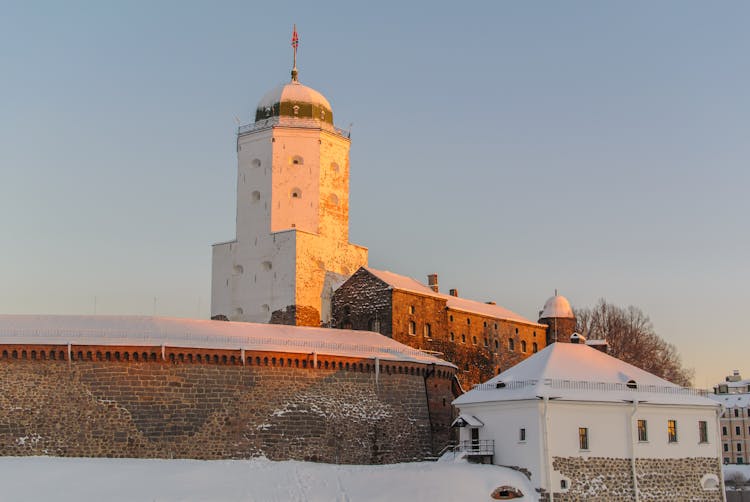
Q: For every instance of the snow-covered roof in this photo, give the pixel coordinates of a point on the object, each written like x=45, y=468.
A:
x=577, y=372
x=403, y=283
x=293, y=92
x=199, y=333
x=466, y=419
x=732, y=400
x=557, y=306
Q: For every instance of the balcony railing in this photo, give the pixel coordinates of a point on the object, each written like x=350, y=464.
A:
x=476, y=447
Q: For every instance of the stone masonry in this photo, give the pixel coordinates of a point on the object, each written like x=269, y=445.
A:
x=205, y=404
x=610, y=479
x=481, y=346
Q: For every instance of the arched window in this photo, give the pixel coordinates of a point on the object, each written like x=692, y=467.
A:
x=534, y=347
x=412, y=328
x=463, y=338
x=427, y=330
x=523, y=345
x=511, y=344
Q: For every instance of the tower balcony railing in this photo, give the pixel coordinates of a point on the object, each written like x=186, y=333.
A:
x=292, y=122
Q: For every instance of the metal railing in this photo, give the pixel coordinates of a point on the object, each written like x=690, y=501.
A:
x=583, y=385
x=272, y=121
x=476, y=447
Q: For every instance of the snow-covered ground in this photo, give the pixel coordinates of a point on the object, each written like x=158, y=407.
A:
x=89, y=479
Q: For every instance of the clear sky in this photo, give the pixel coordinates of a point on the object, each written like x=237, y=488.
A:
x=600, y=148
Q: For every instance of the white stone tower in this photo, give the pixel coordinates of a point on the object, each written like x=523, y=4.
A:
x=292, y=246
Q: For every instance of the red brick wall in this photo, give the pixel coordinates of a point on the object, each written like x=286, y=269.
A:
x=107, y=403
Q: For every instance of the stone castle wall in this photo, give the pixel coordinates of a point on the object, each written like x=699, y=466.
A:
x=104, y=401
x=660, y=479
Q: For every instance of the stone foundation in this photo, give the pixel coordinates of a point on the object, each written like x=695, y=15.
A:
x=610, y=479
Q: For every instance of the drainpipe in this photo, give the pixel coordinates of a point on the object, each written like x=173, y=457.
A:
x=722, y=487
x=632, y=450
x=545, y=445
x=377, y=371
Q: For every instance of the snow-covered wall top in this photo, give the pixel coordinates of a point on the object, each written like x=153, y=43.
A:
x=198, y=333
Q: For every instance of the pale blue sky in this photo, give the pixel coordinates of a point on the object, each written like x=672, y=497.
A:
x=596, y=147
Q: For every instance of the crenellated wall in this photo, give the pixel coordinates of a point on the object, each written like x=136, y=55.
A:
x=106, y=401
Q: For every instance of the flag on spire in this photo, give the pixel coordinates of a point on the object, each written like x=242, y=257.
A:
x=295, y=38
x=295, y=44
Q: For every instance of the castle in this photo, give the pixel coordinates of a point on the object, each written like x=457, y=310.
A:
x=291, y=261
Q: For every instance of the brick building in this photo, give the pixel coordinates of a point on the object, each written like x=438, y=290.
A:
x=482, y=339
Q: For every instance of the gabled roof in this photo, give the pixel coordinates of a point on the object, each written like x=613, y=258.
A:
x=403, y=283
x=200, y=333
x=577, y=372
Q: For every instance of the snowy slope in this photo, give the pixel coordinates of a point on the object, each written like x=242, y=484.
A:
x=87, y=479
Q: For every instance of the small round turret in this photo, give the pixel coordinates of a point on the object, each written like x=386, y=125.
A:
x=559, y=317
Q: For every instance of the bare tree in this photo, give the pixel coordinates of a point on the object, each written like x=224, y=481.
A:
x=632, y=338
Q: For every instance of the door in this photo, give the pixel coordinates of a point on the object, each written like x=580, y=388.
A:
x=474, y=438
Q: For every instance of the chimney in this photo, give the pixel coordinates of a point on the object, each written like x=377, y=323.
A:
x=432, y=282
x=453, y=292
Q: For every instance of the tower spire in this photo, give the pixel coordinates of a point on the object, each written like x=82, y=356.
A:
x=295, y=44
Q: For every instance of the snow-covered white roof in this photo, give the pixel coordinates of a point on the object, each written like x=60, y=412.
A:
x=732, y=400
x=577, y=372
x=557, y=306
x=199, y=333
x=408, y=284
x=293, y=91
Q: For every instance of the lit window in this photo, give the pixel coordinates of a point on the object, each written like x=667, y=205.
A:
x=672, y=430
x=412, y=328
x=642, y=430
x=703, y=431
x=522, y=435
x=583, y=438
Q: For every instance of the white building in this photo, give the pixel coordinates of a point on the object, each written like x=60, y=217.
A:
x=292, y=243
x=587, y=426
x=734, y=395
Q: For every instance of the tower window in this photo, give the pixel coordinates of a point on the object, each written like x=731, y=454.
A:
x=412, y=328
x=267, y=265
x=523, y=345
x=534, y=347
x=411, y=309
x=297, y=160
x=474, y=340
x=255, y=163
x=255, y=196
x=333, y=200
x=463, y=338
x=427, y=330
x=334, y=167
x=296, y=193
